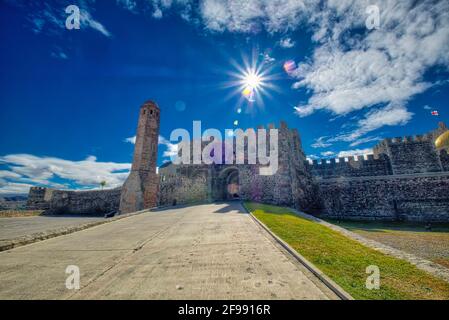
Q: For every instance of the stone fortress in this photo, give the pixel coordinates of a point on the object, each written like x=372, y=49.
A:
x=406, y=179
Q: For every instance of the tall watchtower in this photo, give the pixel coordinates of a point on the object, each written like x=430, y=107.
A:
x=141, y=188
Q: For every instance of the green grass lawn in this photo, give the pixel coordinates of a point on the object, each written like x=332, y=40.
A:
x=345, y=260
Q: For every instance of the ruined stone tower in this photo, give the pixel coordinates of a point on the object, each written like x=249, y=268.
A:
x=140, y=190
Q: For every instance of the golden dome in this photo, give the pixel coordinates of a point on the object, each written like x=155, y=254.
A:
x=443, y=140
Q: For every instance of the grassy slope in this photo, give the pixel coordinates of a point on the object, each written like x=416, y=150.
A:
x=345, y=260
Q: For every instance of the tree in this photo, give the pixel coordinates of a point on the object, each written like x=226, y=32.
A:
x=102, y=184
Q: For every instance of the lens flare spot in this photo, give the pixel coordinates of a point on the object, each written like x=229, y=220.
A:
x=247, y=91
x=289, y=66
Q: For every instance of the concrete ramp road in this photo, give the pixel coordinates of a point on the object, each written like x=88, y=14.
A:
x=211, y=251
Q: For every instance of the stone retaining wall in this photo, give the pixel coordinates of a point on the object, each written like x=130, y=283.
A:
x=417, y=197
x=74, y=202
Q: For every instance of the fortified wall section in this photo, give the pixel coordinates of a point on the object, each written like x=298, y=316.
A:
x=410, y=154
x=415, y=197
x=74, y=202
x=351, y=167
x=292, y=184
x=406, y=179
x=183, y=184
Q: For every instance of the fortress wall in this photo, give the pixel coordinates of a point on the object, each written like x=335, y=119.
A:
x=74, y=202
x=183, y=185
x=416, y=197
x=37, y=199
x=303, y=187
x=291, y=185
x=351, y=167
x=411, y=155
x=444, y=158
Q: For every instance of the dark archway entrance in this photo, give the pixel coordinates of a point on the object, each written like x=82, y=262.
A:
x=228, y=184
x=233, y=185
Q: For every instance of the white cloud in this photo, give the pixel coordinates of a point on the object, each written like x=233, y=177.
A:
x=355, y=152
x=13, y=187
x=131, y=140
x=341, y=154
x=287, y=43
x=253, y=15
x=387, y=66
x=88, y=21
x=321, y=143
x=25, y=170
x=157, y=13
x=171, y=148
x=390, y=115
x=364, y=140
x=312, y=157
x=267, y=59
x=351, y=67
x=49, y=16
x=328, y=153
x=58, y=53
x=130, y=5
x=345, y=81
x=9, y=174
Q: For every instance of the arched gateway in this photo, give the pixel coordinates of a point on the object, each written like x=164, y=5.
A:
x=228, y=184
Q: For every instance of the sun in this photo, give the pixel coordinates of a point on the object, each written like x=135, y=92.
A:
x=252, y=80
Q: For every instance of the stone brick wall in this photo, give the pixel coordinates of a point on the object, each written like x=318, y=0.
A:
x=415, y=197
x=352, y=167
x=405, y=179
x=74, y=202
x=38, y=199
x=444, y=158
x=410, y=154
x=183, y=185
x=291, y=185
x=140, y=190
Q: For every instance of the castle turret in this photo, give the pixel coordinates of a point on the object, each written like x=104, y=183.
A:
x=141, y=188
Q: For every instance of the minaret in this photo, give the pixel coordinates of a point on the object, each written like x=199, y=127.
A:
x=141, y=188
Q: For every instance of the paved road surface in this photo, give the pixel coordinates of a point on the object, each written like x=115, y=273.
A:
x=11, y=228
x=213, y=251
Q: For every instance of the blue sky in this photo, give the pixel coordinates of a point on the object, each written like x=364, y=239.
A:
x=69, y=99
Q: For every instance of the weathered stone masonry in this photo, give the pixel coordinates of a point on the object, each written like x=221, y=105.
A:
x=292, y=185
x=140, y=190
x=74, y=202
x=405, y=179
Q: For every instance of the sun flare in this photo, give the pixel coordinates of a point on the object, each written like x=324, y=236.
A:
x=252, y=80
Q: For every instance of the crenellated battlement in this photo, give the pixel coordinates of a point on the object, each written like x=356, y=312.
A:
x=37, y=188
x=335, y=161
x=413, y=154
x=353, y=166
x=38, y=199
x=428, y=137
